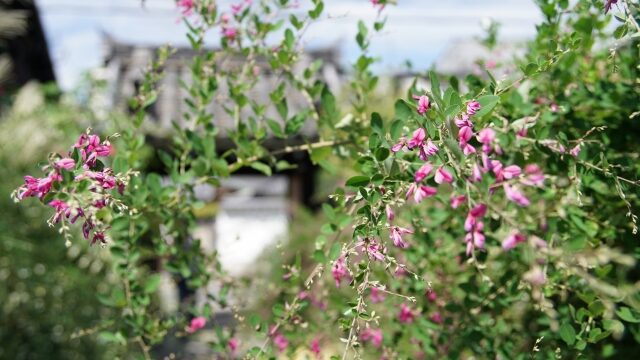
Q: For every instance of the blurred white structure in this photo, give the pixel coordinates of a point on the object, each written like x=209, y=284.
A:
x=251, y=219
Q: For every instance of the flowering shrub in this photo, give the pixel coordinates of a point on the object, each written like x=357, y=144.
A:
x=478, y=219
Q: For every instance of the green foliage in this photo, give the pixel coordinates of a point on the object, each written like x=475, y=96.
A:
x=570, y=289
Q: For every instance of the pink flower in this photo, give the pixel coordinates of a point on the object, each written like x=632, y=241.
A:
x=474, y=240
x=422, y=192
x=423, y=172
x=405, y=315
x=229, y=32
x=456, y=201
x=465, y=134
x=103, y=178
x=417, y=139
x=315, y=346
x=81, y=140
x=280, y=342
x=512, y=240
x=104, y=149
x=374, y=336
x=233, y=344
x=79, y=213
x=225, y=18
x=396, y=236
x=186, y=6
x=515, y=195
x=467, y=149
x=236, y=8
x=497, y=168
x=427, y=150
x=400, y=271
x=93, y=143
x=511, y=171
x=478, y=211
x=608, y=4
x=534, y=177
x=436, y=318
x=411, y=190
x=476, y=174
x=443, y=175
x=339, y=270
x=65, y=163
x=521, y=133
x=61, y=208
x=99, y=204
x=423, y=103
x=473, y=107
x=372, y=249
x=432, y=296
x=98, y=236
x=87, y=226
x=463, y=121
x=29, y=188
x=196, y=324
x=486, y=137
x=402, y=142
x=575, y=151
x=43, y=185
x=390, y=214
x=376, y=295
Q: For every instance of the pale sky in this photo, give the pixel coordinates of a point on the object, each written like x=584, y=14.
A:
x=416, y=30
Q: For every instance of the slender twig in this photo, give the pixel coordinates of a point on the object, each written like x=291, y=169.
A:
x=286, y=150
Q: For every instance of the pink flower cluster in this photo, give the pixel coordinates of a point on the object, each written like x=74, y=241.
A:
x=465, y=126
x=373, y=250
x=86, y=150
x=417, y=140
x=474, y=227
x=228, y=31
x=339, y=270
x=196, y=324
x=373, y=336
x=279, y=340
x=406, y=314
x=186, y=7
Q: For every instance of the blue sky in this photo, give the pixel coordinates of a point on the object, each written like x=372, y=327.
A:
x=417, y=30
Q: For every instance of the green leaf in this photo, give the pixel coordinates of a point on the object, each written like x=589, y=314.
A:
x=382, y=154
x=530, y=69
x=315, y=13
x=358, y=181
x=289, y=39
x=110, y=337
x=295, y=123
x=335, y=251
x=376, y=123
x=319, y=154
x=263, y=168
x=330, y=111
x=628, y=315
x=284, y=165
x=275, y=127
x=396, y=129
x=152, y=284
x=488, y=102
x=435, y=87
x=361, y=37
x=402, y=110
x=567, y=333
